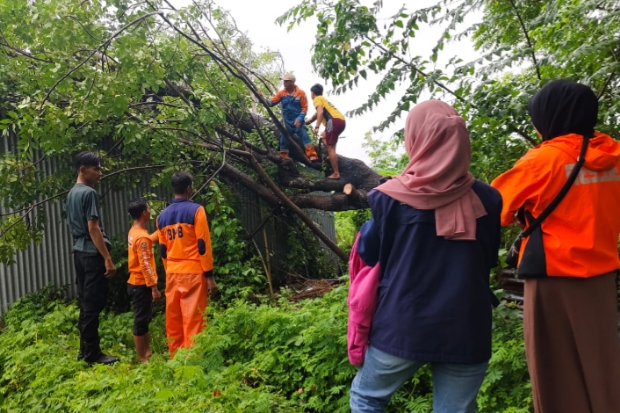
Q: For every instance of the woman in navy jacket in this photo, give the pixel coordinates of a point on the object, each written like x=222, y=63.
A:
x=435, y=230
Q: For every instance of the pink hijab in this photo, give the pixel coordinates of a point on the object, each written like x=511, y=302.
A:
x=437, y=176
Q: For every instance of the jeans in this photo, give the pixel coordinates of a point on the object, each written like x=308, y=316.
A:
x=93, y=290
x=302, y=132
x=455, y=386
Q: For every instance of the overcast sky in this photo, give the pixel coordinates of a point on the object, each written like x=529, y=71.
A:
x=257, y=18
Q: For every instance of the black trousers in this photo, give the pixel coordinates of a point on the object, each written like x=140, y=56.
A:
x=142, y=300
x=93, y=290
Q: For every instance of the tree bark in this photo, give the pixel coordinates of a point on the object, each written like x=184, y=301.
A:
x=291, y=205
x=336, y=202
x=355, y=197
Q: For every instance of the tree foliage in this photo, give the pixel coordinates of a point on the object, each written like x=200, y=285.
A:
x=153, y=89
x=522, y=44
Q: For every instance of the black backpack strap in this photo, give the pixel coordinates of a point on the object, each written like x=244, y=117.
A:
x=571, y=179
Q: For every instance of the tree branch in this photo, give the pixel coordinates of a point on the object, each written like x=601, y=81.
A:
x=26, y=54
x=7, y=229
x=291, y=205
x=334, y=202
x=103, y=45
x=607, y=83
x=523, y=135
x=527, y=38
x=416, y=69
x=258, y=227
x=212, y=175
x=249, y=84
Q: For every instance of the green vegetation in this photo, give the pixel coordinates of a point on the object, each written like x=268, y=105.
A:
x=161, y=90
x=289, y=357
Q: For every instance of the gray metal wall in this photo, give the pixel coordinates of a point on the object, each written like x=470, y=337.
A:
x=251, y=212
x=51, y=261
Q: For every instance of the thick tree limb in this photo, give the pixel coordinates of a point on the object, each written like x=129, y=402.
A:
x=335, y=202
x=291, y=205
x=234, y=175
x=355, y=197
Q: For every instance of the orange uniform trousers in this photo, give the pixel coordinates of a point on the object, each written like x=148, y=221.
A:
x=186, y=301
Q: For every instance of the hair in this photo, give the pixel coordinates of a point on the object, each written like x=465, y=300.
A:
x=86, y=159
x=137, y=207
x=317, y=89
x=181, y=181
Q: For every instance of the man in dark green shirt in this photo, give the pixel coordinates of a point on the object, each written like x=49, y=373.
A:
x=91, y=255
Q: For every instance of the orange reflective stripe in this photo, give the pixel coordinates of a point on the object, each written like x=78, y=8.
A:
x=303, y=100
x=141, y=261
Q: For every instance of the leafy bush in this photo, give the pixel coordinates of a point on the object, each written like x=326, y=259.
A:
x=260, y=358
x=348, y=223
x=236, y=267
x=35, y=305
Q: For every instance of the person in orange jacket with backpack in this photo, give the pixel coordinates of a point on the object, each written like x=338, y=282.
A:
x=571, y=262
x=185, y=246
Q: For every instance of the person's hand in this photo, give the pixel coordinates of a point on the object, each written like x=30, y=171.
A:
x=316, y=130
x=156, y=294
x=297, y=123
x=519, y=220
x=211, y=286
x=110, y=269
x=520, y=223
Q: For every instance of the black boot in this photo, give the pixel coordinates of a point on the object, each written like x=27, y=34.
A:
x=103, y=359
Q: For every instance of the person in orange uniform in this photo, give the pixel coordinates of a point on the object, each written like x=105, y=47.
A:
x=294, y=104
x=142, y=283
x=334, y=123
x=570, y=307
x=185, y=245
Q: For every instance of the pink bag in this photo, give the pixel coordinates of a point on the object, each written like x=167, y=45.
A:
x=362, y=303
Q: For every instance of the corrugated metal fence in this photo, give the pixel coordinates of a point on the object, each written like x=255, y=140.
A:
x=51, y=260
x=272, y=237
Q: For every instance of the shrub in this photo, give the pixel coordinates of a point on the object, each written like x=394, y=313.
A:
x=289, y=357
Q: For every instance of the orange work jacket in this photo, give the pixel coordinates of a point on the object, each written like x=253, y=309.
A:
x=184, y=238
x=580, y=236
x=141, y=261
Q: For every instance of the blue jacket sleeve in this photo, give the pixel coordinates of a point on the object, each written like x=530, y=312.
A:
x=369, y=243
x=303, y=102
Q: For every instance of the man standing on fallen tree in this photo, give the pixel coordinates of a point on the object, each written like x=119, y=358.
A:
x=294, y=108
x=93, y=264
x=334, y=124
